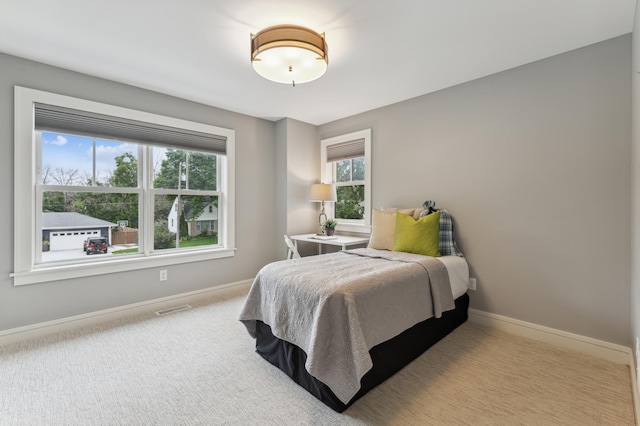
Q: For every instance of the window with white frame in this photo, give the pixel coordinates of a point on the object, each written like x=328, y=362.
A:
x=83, y=169
x=346, y=162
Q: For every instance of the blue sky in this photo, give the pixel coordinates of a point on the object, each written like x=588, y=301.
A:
x=75, y=153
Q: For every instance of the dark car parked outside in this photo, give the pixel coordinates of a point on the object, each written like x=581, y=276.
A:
x=95, y=245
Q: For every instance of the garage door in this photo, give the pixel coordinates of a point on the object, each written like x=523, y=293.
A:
x=71, y=240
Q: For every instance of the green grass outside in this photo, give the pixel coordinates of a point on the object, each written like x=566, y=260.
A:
x=125, y=251
x=193, y=242
x=199, y=241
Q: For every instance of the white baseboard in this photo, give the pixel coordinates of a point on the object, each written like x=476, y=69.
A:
x=70, y=323
x=586, y=345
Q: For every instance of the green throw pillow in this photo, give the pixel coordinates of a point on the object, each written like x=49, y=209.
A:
x=420, y=236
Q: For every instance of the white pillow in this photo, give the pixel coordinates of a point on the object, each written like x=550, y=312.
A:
x=409, y=212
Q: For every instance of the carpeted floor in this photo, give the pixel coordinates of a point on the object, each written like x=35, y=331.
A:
x=198, y=367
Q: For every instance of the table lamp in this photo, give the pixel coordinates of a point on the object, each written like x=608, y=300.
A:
x=323, y=193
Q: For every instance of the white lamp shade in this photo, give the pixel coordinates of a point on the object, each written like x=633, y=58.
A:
x=323, y=192
x=289, y=64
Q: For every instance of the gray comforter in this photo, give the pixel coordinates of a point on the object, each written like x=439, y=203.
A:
x=337, y=306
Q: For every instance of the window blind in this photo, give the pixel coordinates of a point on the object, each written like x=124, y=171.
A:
x=82, y=123
x=345, y=150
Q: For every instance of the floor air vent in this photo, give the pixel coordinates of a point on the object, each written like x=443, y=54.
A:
x=173, y=310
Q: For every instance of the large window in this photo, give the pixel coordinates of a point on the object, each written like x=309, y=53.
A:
x=103, y=189
x=346, y=162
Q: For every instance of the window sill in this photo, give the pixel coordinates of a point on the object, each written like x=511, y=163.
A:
x=356, y=228
x=47, y=273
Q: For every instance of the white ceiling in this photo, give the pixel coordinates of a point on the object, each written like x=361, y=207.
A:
x=380, y=51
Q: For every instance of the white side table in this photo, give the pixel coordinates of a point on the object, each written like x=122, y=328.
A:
x=344, y=241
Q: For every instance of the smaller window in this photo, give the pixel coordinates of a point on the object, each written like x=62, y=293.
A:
x=350, y=185
x=346, y=162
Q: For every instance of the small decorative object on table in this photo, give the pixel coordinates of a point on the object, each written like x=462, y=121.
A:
x=330, y=227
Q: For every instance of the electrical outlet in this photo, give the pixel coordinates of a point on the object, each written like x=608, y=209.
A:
x=472, y=283
x=163, y=275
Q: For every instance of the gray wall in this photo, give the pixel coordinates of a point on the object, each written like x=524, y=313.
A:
x=298, y=167
x=281, y=183
x=534, y=165
x=255, y=207
x=635, y=212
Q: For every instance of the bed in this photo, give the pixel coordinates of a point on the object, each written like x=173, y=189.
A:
x=339, y=324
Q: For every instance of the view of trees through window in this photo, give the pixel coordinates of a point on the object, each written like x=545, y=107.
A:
x=102, y=180
x=195, y=217
x=350, y=188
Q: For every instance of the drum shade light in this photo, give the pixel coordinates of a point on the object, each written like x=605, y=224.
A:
x=289, y=54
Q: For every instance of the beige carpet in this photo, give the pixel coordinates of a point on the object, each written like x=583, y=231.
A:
x=198, y=367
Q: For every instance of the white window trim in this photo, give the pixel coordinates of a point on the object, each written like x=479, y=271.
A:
x=357, y=226
x=27, y=240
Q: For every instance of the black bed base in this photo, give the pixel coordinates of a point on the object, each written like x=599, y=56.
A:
x=388, y=357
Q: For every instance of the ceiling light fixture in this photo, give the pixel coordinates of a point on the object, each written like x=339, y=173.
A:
x=289, y=54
